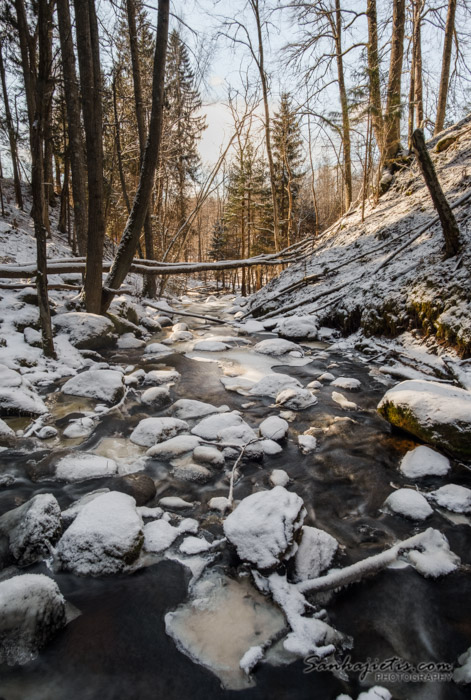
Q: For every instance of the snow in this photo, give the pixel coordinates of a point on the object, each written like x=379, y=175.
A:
x=326, y=377
x=179, y=337
x=32, y=610
x=105, y=537
x=128, y=341
x=161, y=376
x=375, y=693
x=272, y=384
x=152, y=430
x=270, y=447
x=431, y=402
x=210, y=346
x=273, y=428
x=206, y=454
x=264, y=525
x=462, y=673
x=157, y=349
x=190, y=471
x=73, y=510
x=343, y=402
x=32, y=528
x=409, y=503
x=5, y=430
x=314, y=554
x=279, y=477
x=17, y=397
x=186, y=409
x=251, y=658
x=436, y=559
x=423, y=461
x=79, y=427
x=295, y=398
x=220, y=503
x=298, y=327
x=47, y=432
x=452, y=497
x=175, y=503
x=79, y=466
x=174, y=447
x=85, y=330
x=348, y=383
x=194, y=545
x=99, y=384
x=211, y=426
x=180, y=326
x=315, y=384
x=278, y=347
x=241, y=385
x=307, y=443
x=156, y=396
x=160, y=535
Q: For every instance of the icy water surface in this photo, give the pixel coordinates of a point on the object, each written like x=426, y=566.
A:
x=153, y=634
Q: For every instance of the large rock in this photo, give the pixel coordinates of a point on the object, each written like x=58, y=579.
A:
x=80, y=466
x=152, y=430
x=439, y=414
x=298, y=327
x=17, y=396
x=315, y=553
x=32, y=529
x=105, y=538
x=264, y=526
x=87, y=331
x=100, y=384
x=32, y=610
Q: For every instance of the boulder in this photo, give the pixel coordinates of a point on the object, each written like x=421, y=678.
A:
x=138, y=485
x=298, y=327
x=186, y=409
x=105, y=538
x=315, y=553
x=272, y=384
x=274, y=428
x=264, y=526
x=80, y=466
x=156, y=397
x=17, y=396
x=32, y=529
x=296, y=398
x=100, y=384
x=87, y=331
x=439, y=414
x=32, y=610
x=278, y=347
x=152, y=430
x=408, y=503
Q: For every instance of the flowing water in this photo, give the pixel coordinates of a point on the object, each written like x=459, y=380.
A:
x=119, y=647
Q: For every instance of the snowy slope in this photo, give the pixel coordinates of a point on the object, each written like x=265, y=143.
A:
x=415, y=290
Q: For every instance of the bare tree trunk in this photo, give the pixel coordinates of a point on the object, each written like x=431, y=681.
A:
x=446, y=61
x=64, y=194
x=11, y=134
x=90, y=81
x=117, y=126
x=263, y=78
x=418, y=97
x=447, y=219
x=76, y=147
x=374, y=80
x=347, y=158
x=393, y=102
x=130, y=238
x=149, y=281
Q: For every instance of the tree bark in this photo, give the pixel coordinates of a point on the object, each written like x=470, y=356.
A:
x=130, y=238
x=374, y=80
x=149, y=282
x=446, y=61
x=393, y=101
x=11, y=134
x=76, y=146
x=347, y=158
x=447, y=219
x=90, y=81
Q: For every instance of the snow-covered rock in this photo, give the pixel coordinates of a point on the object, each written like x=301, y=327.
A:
x=264, y=526
x=86, y=331
x=5, y=431
x=175, y=503
x=343, y=402
x=185, y=409
x=210, y=346
x=272, y=384
x=80, y=427
x=274, y=428
x=174, y=447
x=409, y=503
x=220, y=503
x=190, y=471
x=423, y=461
x=79, y=466
x=205, y=454
x=74, y=509
x=17, y=396
x=46, y=433
x=180, y=326
x=241, y=385
x=179, y=337
x=156, y=377
x=437, y=413
x=278, y=347
x=296, y=398
x=128, y=341
x=452, y=497
x=156, y=396
x=100, y=384
x=32, y=528
x=105, y=537
x=315, y=553
x=152, y=430
x=347, y=383
x=298, y=327
x=462, y=672
x=326, y=377
x=279, y=477
x=194, y=545
x=270, y=447
x=436, y=559
x=32, y=610
x=160, y=535
x=211, y=426
x=307, y=443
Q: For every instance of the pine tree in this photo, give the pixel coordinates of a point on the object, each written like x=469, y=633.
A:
x=287, y=156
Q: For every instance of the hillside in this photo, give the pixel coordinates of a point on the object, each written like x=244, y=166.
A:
x=348, y=283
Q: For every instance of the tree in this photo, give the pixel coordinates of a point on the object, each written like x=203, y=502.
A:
x=287, y=156
x=12, y=136
x=393, y=100
x=446, y=62
x=374, y=76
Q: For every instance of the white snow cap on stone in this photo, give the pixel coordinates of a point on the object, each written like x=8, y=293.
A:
x=452, y=497
x=79, y=466
x=210, y=346
x=157, y=349
x=186, y=409
x=5, y=430
x=156, y=396
x=279, y=477
x=277, y=347
x=423, y=461
x=211, y=426
x=99, y=384
x=161, y=376
x=307, y=443
x=436, y=559
x=274, y=428
x=348, y=383
x=160, y=535
x=298, y=327
x=409, y=503
x=272, y=384
x=343, y=401
x=152, y=430
x=174, y=447
x=462, y=673
x=295, y=398
x=264, y=524
x=315, y=553
x=431, y=402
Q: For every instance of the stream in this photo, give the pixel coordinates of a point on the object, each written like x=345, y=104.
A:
x=118, y=647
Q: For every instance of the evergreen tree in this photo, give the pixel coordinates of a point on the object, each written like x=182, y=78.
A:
x=287, y=156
